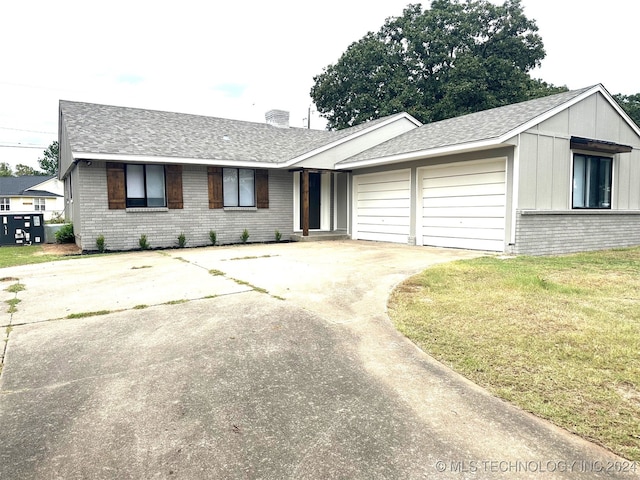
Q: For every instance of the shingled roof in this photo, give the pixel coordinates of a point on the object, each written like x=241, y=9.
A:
x=21, y=186
x=468, y=129
x=106, y=129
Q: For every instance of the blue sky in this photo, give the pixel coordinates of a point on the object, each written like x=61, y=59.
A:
x=240, y=59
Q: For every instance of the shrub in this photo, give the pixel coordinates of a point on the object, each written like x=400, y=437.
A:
x=278, y=236
x=182, y=240
x=213, y=237
x=100, y=244
x=245, y=236
x=65, y=234
x=143, y=242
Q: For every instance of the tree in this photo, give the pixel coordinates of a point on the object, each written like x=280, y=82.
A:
x=458, y=57
x=49, y=162
x=5, y=170
x=22, y=169
x=631, y=105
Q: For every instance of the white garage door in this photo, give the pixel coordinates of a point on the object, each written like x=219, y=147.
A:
x=382, y=206
x=464, y=205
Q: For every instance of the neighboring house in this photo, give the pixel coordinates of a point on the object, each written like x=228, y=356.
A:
x=552, y=175
x=32, y=193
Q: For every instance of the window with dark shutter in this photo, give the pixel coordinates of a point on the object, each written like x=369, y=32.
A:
x=214, y=176
x=115, y=186
x=174, y=186
x=262, y=188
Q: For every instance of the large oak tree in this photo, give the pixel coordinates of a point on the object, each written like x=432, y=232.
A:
x=458, y=57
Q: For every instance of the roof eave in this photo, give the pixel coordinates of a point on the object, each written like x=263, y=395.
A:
x=329, y=146
x=430, y=153
x=111, y=157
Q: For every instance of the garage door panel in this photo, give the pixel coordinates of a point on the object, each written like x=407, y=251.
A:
x=384, y=194
x=469, y=233
x=462, y=212
x=384, y=186
x=382, y=206
x=465, y=190
x=458, y=222
x=382, y=212
x=370, y=221
x=496, y=200
x=387, y=229
x=463, y=205
x=476, y=179
x=468, y=243
x=389, y=203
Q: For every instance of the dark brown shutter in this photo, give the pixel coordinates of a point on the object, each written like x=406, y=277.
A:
x=115, y=186
x=174, y=186
x=262, y=188
x=214, y=175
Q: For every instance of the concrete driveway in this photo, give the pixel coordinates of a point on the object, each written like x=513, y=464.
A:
x=258, y=361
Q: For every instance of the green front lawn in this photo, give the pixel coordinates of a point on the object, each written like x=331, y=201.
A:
x=12, y=256
x=557, y=336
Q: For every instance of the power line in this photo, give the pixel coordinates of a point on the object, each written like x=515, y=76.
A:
x=24, y=130
x=19, y=145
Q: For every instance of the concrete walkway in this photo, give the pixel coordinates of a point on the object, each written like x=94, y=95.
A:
x=259, y=361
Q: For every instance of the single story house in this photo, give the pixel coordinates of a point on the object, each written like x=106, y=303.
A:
x=552, y=175
x=32, y=193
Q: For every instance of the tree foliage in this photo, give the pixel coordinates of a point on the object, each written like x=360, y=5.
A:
x=49, y=161
x=22, y=169
x=458, y=57
x=5, y=170
x=631, y=105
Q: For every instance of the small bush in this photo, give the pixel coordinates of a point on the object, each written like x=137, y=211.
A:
x=245, y=236
x=65, y=234
x=143, y=242
x=182, y=240
x=278, y=236
x=213, y=237
x=100, y=244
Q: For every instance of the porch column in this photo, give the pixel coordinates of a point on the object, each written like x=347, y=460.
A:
x=304, y=176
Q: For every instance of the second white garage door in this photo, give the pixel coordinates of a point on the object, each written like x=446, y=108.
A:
x=463, y=205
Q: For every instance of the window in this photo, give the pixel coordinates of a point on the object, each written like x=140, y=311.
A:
x=39, y=204
x=239, y=187
x=145, y=186
x=5, y=204
x=591, y=181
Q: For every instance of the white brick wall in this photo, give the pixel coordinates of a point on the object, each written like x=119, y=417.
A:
x=122, y=229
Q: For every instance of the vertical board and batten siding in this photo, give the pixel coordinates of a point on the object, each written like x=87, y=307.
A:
x=382, y=204
x=463, y=205
x=546, y=158
x=546, y=226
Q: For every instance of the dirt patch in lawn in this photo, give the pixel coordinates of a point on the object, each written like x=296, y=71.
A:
x=61, y=249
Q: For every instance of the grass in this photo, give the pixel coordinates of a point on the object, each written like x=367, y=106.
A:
x=88, y=314
x=557, y=336
x=13, y=256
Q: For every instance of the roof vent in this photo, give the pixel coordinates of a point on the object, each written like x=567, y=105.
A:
x=277, y=118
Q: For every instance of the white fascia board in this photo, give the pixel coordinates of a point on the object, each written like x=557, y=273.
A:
x=362, y=132
x=619, y=109
x=420, y=154
x=110, y=157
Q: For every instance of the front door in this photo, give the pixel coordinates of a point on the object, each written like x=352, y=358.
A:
x=314, y=201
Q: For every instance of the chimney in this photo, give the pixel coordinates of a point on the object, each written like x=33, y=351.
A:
x=277, y=118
